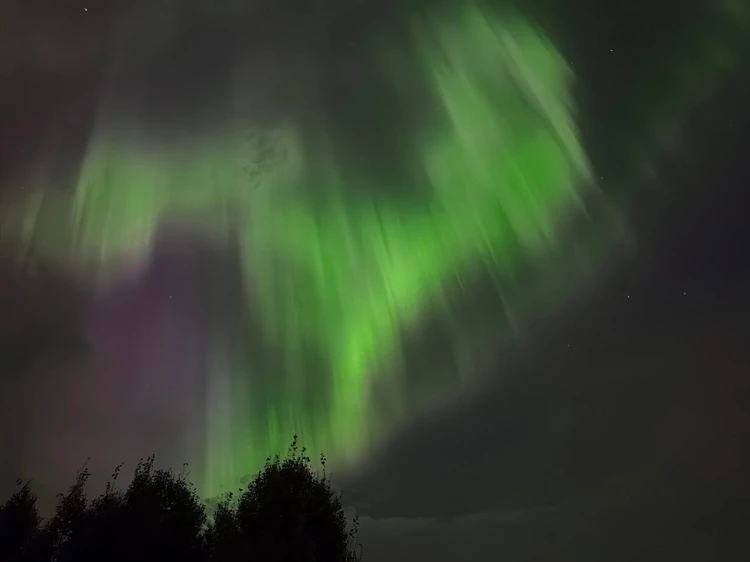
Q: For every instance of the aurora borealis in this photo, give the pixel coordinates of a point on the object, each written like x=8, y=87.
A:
x=347, y=273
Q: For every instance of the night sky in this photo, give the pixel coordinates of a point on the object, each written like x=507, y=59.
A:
x=614, y=426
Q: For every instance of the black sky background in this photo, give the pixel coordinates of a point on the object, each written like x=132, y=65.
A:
x=618, y=429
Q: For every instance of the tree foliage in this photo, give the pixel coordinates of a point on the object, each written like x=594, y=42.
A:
x=19, y=520
x=287, y=513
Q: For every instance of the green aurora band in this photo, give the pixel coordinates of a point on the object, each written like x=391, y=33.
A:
x=340, y=278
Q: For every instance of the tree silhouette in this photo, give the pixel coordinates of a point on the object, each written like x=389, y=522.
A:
x=158, y=517
x=287, y=513
x=19, y=521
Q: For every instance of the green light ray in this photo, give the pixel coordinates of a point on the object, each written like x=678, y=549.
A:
x=342, y=276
